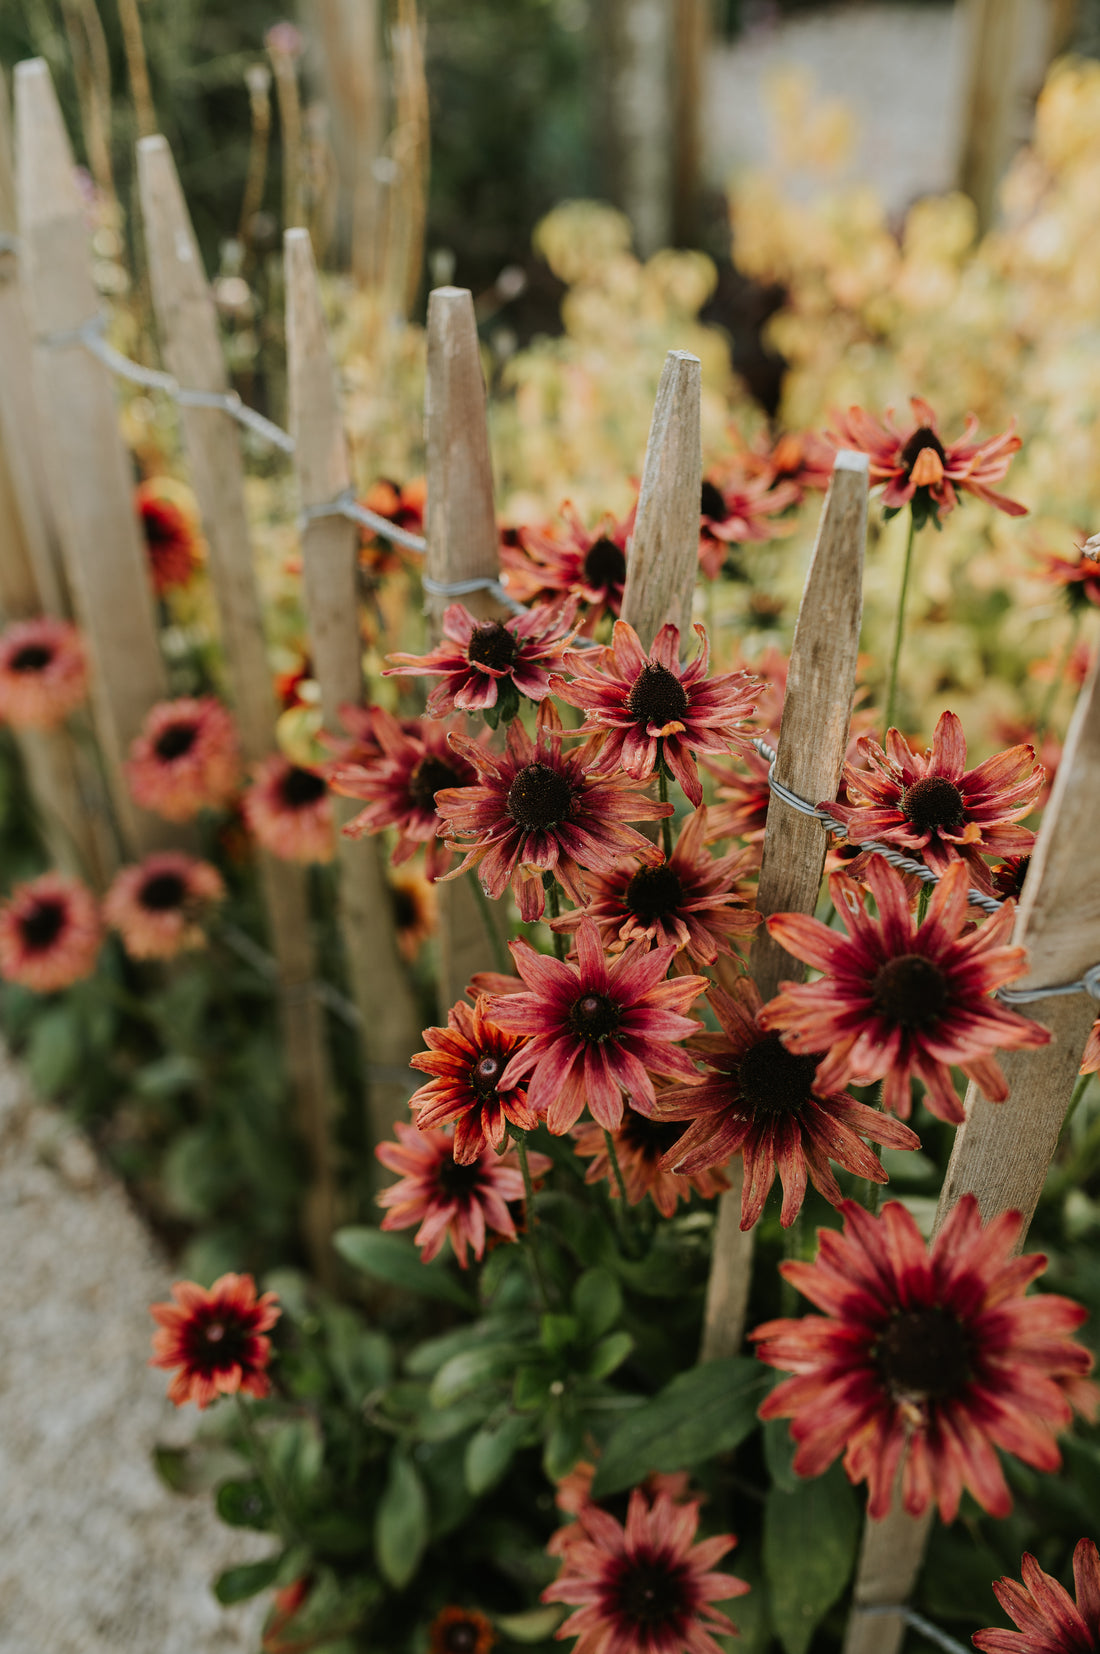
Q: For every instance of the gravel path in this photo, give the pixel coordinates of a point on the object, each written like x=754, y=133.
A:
x=96, y=1556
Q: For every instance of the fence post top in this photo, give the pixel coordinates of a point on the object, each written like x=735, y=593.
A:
x=849, y=459
x=450, y=293
x=683, y=356
x=296, y=237
x=32, y=68
x=154, y=144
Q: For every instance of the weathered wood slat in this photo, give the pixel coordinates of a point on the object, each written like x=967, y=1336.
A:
x=663, y=562
x=1003, y=1150
x=90, y=472
x=192, y=351
x=462, y=545
x=813, y=738
x=391, y=1029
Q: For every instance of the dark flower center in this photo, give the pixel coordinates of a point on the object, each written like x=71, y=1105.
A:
x=429, y=777
x=651, y=1138
x=460, y=1637
x=405, y=911
x=594, y=1017
x=216, y=1345
x=458, y=1182
x=910, y=991
x=933, y=802
x=773, y=1080
x=174, y=741
x=653, y=892
x=43, y=924
x=493, y=645
x=658, y=697
x=539, y=798
x=712, y=504
x=160, y=528
x=650, y=1591
x=604, y=564
x=1008, y=878
x=33, y=657
x=300, y=788
x=924, y=1353
x=484, y=1075
x=925, y=437
x=163, y=892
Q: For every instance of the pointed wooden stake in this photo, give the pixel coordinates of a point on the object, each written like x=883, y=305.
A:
x=813, y=738
x=663, y=563
x=462, y=545
x=192, y=351
x=391, y=1029
x=104, y=557
x=1003, y=1150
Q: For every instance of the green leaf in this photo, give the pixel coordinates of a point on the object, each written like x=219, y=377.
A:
x=779, y=1451
x=401, y=1523
x=244, y=1504
x=810, y=1541
x=491, y=1451
x=534, y=1626
x=171, y=1465
x=167, y=1076
x=426, y=1359
x=237, y=1584
x=296, y=1451
x=440, y=1424
x=557, y=1333
x=532, y=1386
x=609, y=1353
x=597, y=1302
x=470, y=1369
x=704, y=1411
x=361, y=1358
x=394, y=1259
x=563, y=1447
x=54, y=1053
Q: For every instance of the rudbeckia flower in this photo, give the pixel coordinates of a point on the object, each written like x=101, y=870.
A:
x=571, y=560
x=467, y=1060
x=50, y=933
x=216, y=1339
x=289, y=809
x=43, y=673
x=643, y=1146
x=185, y=759
x=156, y=906
x=486, y=665
x=1050, y=1621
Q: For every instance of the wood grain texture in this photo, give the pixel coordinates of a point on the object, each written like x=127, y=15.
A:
x=1002, y=1150
x=391, y=1025
x=192, y=350
x=663, y=560
x=101, y=541
x=813, y=738
x=462, y=545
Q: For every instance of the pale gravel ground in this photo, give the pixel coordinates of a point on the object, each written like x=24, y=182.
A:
x=96, y=1555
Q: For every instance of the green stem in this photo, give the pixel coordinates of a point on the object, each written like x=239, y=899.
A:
x=899, y=630
x=501, y=957
x=666, y=823
x=613, y=1158
x=529, y=1241
x=1051, y=696
x=553, y=902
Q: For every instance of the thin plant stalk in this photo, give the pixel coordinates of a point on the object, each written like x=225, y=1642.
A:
x=1051, y=696
x=529, y=1242
x=899, y=629
x=137, y=67
x=553, y=902
x=666, y=821
x=501, y=958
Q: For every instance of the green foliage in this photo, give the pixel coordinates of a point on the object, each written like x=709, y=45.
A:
x=394, y=1259
x=811, y=1535
x=401, y=1523
x=704, y=1411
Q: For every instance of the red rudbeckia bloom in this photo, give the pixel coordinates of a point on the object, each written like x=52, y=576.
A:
x=741, y=802
x=737, y=508
x=467, y=1060
x=414, y=910
x=172, y=543
x=598, y=1028
x=446, y=1198
x=43, y=673
x=765, y=1101
x=1080, y=579
x=900, y=998
x=401, y=784
x=648, y=1587
x=933, y=807
x=185, y=759
x=642, y=1147
x=803, y=458
x=289, y=809
x=926, y=1357
x=568, y=559
x=490, y=663
x=537, y=810
x=460, y=1631
x=1050, y=1621
x=50, y=933
x=689, y=902
x=650, y=708
x=920, y=469
x=156, y=907
x=216, y=1339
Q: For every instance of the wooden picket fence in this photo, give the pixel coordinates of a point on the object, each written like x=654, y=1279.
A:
x=69, y=543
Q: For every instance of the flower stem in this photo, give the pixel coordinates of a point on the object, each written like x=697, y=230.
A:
x=553, y=902
x=666, y=823
x=529, y=1241
x=899, y=630
x=613, y=1159
x=1051, y=695
x=501, y=958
